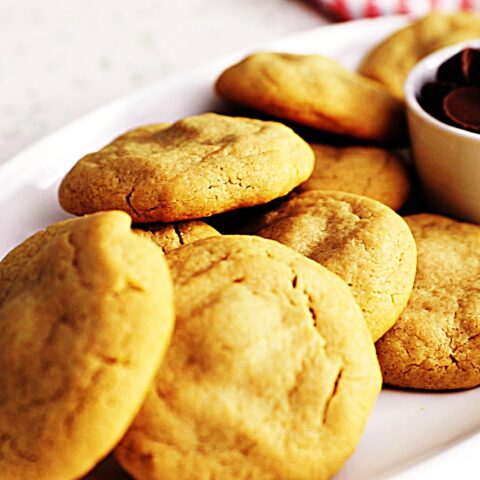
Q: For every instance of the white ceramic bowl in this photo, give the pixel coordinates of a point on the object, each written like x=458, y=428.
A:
x=447, y=158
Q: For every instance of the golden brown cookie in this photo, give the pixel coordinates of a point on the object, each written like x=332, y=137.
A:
x=174, y=235
x=435, y=344
x=373, y=172
x=315, y=91
x=271, y=372
x=364, y=242
x=195, y=168
x=390, y=62
x=86, y=312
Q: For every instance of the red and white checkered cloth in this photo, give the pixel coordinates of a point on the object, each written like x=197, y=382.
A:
x=348, y=9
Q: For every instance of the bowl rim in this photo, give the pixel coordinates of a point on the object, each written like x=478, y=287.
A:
x=430, y=63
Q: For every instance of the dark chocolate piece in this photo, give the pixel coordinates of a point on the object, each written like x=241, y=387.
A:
x=462, y=106
x=471, y=66
x=452, y=70
x=432, y=96
x=454, y=97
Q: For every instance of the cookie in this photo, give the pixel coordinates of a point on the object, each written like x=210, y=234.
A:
x=86, y=312
x=315, y=91
x=364, y=242
x=195, y=168
x=271, y=373
x=174, y=235
x=391, y=61
x=435, y=344
x=370, y=171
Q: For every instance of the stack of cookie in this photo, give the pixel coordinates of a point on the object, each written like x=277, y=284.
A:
x=200, y=355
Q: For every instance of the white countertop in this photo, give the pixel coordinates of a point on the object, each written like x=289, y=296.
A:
x=60, y=59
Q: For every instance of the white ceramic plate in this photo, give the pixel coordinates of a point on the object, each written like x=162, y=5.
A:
x=410, y=435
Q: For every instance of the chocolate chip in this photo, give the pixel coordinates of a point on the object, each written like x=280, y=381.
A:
x=452, y=70
x=462, y=106
x=431, y=98
x=471, y=66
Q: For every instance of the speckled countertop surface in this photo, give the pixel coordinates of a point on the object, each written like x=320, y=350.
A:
x=60, y=59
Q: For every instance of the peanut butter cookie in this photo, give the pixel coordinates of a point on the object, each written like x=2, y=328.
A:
x=435, y=344
x=174, y=235
x=373, y=172
x=361, y=240
x=86, y=312
x=271, y=373
x=390, y=62
x=194, y=168
x=315, y=91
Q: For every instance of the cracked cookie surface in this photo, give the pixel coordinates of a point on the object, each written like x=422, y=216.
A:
x=364, y=242
x=271, y=373
x=390, y=62
x=315, y=91
x=86, y=312
x=435, y=344
x=197, y=167
x=370, y=171
x=174, y=235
